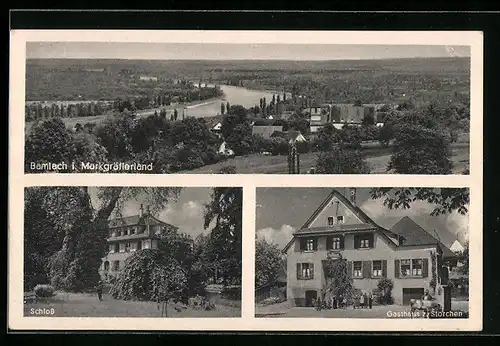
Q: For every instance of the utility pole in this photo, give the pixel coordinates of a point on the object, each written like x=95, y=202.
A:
x=293, y=159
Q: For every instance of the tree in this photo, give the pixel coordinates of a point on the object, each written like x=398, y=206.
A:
x=150, y=275
x=386, y=134
x=446, y=200
x=48, y=142
x=176, y=114
x=268, y=263
x=368, y=119
x=338, y=278
x=114, y=134
x=224, y=211
x=301, y=125
x=222, y=108
x=465, y=258
x=328, y=137
x=240, y=139
x=237, y=110
x=419, y=150
x=341, y=161
x=358, y=103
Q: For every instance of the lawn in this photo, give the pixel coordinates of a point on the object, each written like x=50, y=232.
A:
x=381, y=311
x=87, y=305
x=377, y=159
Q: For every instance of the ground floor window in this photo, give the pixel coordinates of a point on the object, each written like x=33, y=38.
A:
x=106, y=265
x=357, y=269
x=413, y=267
x=116, y=265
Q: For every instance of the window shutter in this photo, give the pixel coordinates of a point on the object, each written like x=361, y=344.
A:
x=312, y=270
x=367, y=269
x=329, y=241
x=384, y=268
x=298, y=271
x=341, y=242
x=371, y=240
x=425, y=267
x=356, y=241
x=349, y=268
x=315, y=244
x=396, y=268
x=302, y=244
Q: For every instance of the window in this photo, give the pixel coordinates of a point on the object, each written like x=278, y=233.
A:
x=330, y=220
x=132, y=231
x=122, y=247
x=336, y=243
x=310, y=245
x=128, y=246
x=116, y=265
x=106, y=266
x=377, y=269
x=111, y=248
x=340, y=219
x=138, y=245
x=305, y=271
x=364, y=243
x=416, y=267
x=146, y=244
x=405, y=267
x=357, y=269
x=126, y=231
x=116, y=248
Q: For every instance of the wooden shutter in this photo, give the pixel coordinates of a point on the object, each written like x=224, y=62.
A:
x=298, y=271
x=315, y=244
x=312, y=270
x=367, y=269
x=371, y=240
x=396, y=268
x=425, y=267
x=384, y=268
x=349, y=268
x=356, y=241
x=329, y=241
x=302, y=244
x=341, y=241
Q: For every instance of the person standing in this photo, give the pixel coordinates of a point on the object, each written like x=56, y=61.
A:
x=370, y=299
x=362, y=300
x=99, y=288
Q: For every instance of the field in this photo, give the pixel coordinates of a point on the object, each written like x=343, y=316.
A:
x=377, y=159
x=87, y=305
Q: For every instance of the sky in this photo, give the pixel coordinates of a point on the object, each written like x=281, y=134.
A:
x=229, y=51
x=281, y=211
x=186, y=212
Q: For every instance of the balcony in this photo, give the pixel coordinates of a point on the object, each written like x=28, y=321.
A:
x=119, y=238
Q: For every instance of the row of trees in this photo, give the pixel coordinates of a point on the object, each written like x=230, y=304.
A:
x=65, y=240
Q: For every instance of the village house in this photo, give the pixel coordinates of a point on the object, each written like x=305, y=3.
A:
x=407, y=254
x=130, y=234
x=265, y=128
x=341, y=114
x=290, y=136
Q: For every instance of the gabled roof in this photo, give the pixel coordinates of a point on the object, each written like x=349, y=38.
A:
x=367, y=221
x=415, y=235
x=136, y=220
x=289, y=135
x=265, y=131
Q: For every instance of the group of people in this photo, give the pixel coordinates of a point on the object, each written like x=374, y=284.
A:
x=363, y=300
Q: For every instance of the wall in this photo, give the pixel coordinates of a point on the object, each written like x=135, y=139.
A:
x=382, y=251
x=331, y=210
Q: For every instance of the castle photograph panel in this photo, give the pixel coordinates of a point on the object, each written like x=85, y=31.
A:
x=362, y=252
x=132, y=252
x=110, y=107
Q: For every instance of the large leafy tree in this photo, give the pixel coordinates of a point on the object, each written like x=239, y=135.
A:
x=268, y=262
x=224, y=212
x=240, y=140
x=420, y=150
x=338, y=279
x=446, y=200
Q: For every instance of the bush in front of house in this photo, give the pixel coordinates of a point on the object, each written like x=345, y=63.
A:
x=44, y=291
x=272, y=300
x=385, y=286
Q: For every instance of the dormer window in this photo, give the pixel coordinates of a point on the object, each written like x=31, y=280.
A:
x=363, y=241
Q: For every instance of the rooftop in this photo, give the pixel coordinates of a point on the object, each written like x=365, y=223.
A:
x=336, y=229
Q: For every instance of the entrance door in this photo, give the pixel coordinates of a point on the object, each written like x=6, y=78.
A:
x=311, y=296
x=412, y=293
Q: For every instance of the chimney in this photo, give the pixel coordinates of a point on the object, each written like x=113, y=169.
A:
x=352, y=196
x=141, y=210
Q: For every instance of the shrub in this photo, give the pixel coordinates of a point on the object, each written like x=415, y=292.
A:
x=385, y=286
x=273, y=300
x=44, y=291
